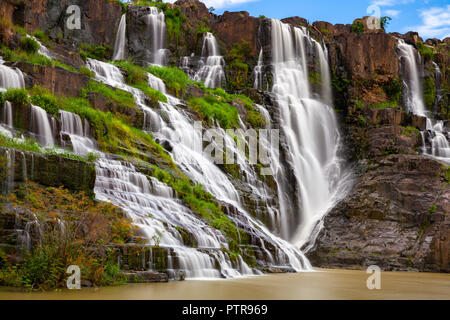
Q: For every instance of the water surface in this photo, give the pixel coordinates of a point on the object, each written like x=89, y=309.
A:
x=320, y=285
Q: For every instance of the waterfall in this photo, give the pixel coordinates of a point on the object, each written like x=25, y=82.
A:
x=312, y=136
x=111, y=76
x=157, y=27
x=184, y=137
x=211, y=64
x=436, y=138
x=121, y=39
x=7, y=114
x=410, y=59
x=258, y=72
x=40, y=126
x=10, y=78
x=325, y=77
x=72, y=126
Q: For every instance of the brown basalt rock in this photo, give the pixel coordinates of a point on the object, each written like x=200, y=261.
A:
x=384, y=116
x=58, y=81
x=237, y=27
x=419, y=122
x=396, y=217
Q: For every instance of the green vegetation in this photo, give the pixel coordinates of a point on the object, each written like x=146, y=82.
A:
x=29, y=45
x=175, y=79
x=254, y=118
x=425, y=51
x=315, y=78
x=384, y=105
x=116, y=95
x=210, y=108
x=136, y=76
x=429, y=91
x=358, y=27
x=393, y=89
x=408, y=131
x=236, y=60
x=87, y=224
x=15, y=96
x=384, y=22
x=94, y=52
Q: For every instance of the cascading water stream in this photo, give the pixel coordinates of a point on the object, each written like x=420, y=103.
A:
x=41, y=127
x=211, y=64
x=72, y=126
x=436, y=135
x=186, y=141
x=111, y=75
x=10, y=78
x=157, y=27
x=121, y=40
x=258, y=72
x=312, y=136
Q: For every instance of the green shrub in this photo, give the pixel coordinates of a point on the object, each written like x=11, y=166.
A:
x=47, y=102
x=393, y=89
x=358, y=27
x=29, y=45
x=17, y=96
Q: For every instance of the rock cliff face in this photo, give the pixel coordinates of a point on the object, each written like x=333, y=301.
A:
x=396, y=216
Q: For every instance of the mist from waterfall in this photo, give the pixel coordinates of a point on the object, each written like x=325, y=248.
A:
x=312, y=136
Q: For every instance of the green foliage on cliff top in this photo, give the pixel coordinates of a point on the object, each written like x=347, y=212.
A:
x=87, y=224
x=358, y=27
x=15, y=96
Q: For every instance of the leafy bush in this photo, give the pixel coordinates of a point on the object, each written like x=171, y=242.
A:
x=358, y=27
x=17, y=96
x=46, y=101
x=29, y=45
x=393, y=89
x=85, y=71
x=94, y=52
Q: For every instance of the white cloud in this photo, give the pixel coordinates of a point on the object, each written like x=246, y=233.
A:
x=393, y=13
x=221, y=4
x=436, y=23
x=390, y=3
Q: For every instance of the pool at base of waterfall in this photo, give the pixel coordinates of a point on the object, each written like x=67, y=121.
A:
x=323, y=284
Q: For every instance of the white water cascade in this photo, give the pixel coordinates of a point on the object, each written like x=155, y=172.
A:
x=41, y=127
x=121, y=40
x=185, y=138
x=258, y=72
x=410, y=60
x=312, y=136
x=156, y=23
x=10, y=78
x=211, y=65
x=436, y=134
x=72, y=126
x=110, y=75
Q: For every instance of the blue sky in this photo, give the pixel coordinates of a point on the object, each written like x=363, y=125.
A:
x=431, y=18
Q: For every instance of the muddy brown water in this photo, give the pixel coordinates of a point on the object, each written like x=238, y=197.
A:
x=318, y=285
